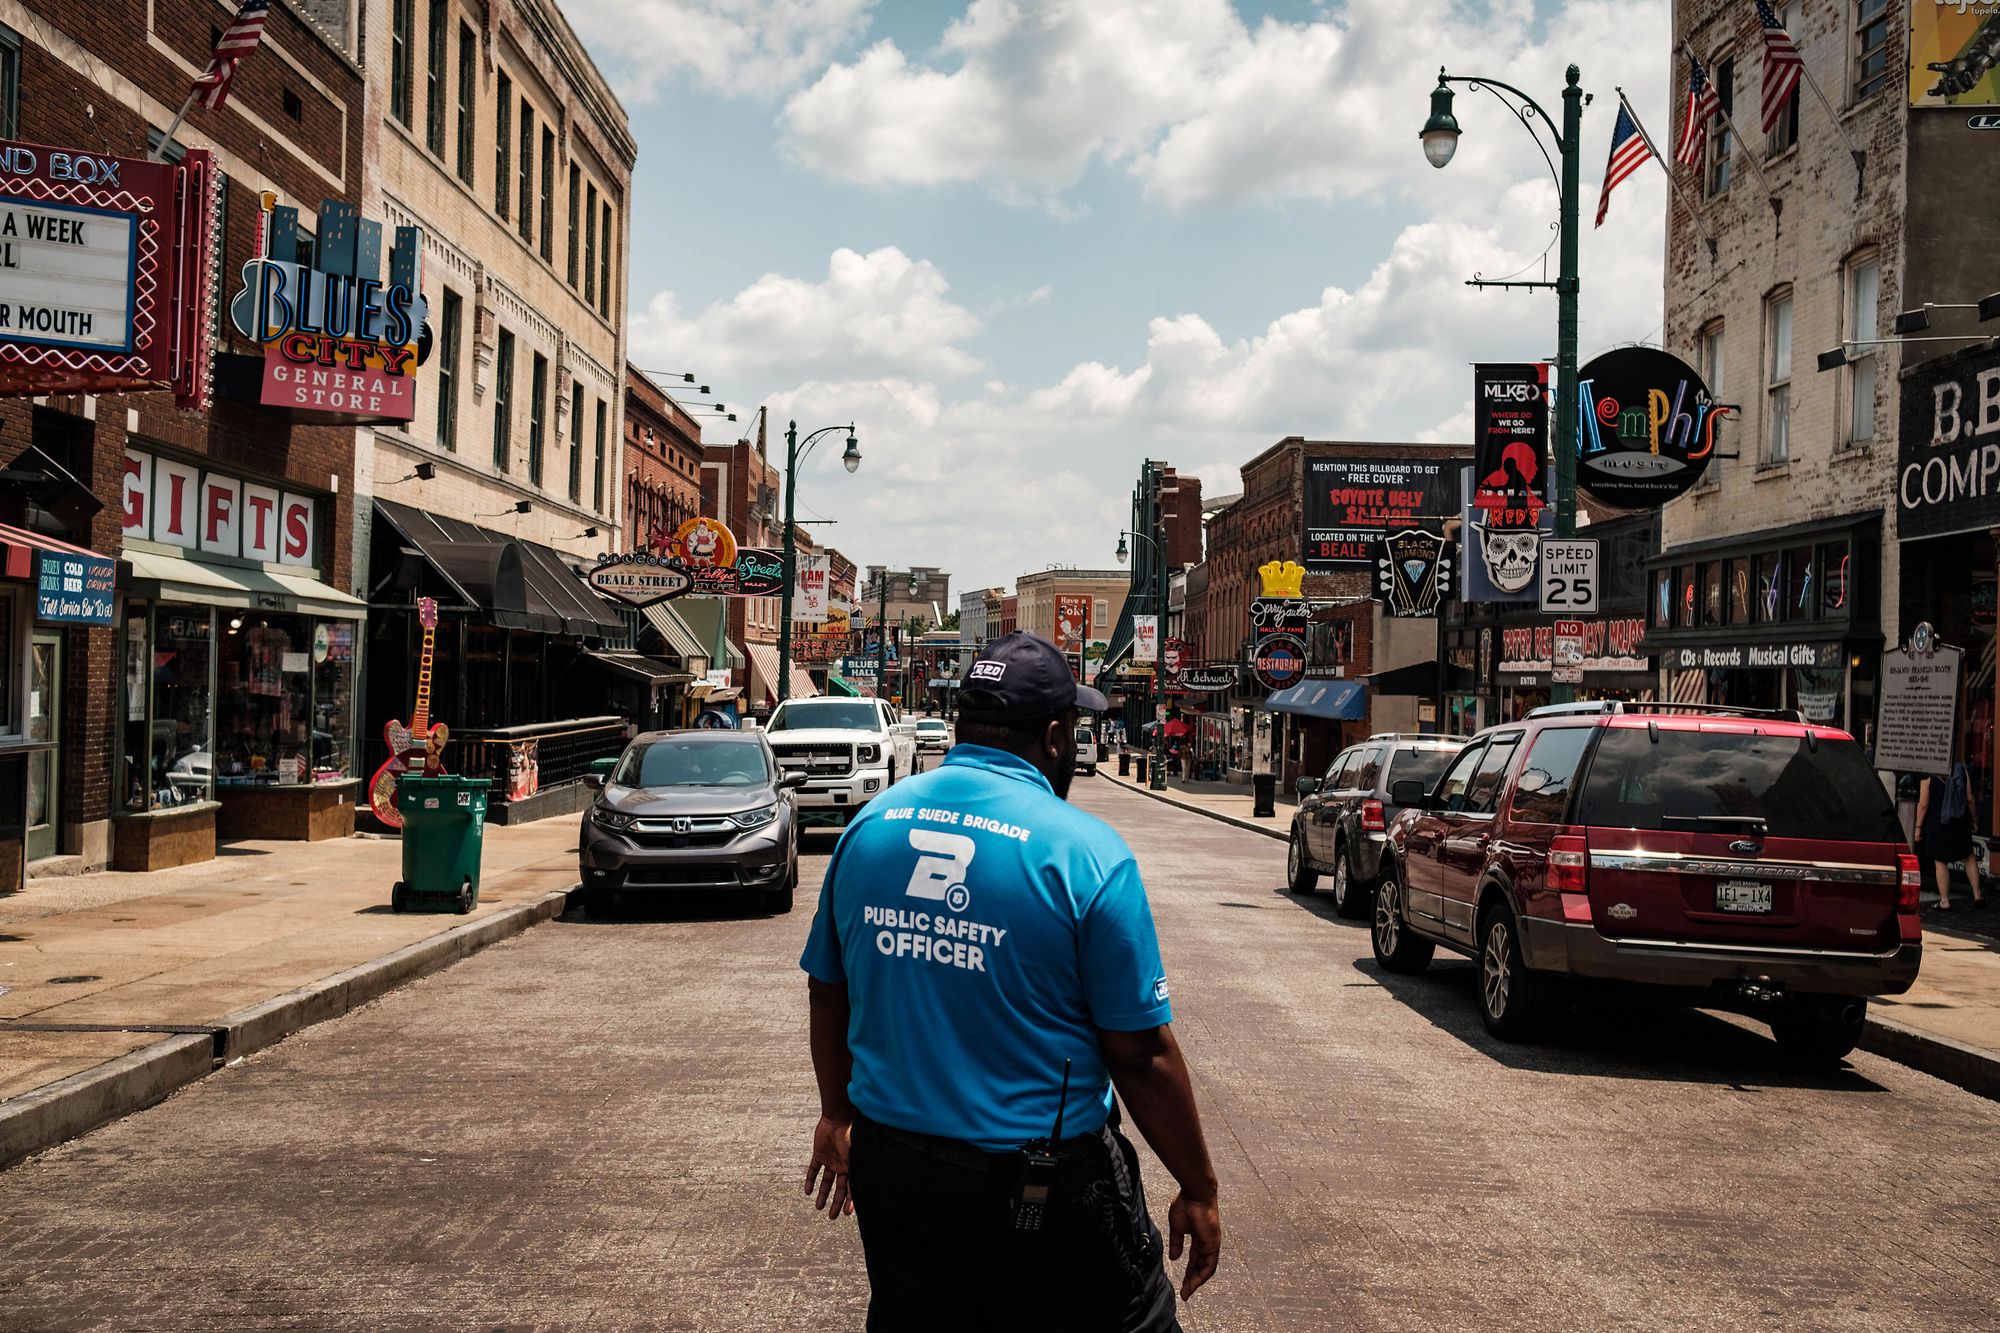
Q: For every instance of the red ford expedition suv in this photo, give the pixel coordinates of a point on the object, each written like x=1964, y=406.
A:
x=1747, y=859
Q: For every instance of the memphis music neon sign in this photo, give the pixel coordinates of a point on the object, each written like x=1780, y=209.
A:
x=338, y=337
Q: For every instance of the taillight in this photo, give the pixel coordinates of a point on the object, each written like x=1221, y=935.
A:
x=1909, y=881
x=1371, y=816
x=1569, y=863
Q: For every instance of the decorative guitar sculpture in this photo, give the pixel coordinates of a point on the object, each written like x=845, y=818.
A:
x=417, y=746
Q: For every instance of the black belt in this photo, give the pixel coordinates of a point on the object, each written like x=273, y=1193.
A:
x=966, y=1156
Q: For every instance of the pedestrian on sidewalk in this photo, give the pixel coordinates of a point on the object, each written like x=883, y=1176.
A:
x=983, y=972
x=1944, y=814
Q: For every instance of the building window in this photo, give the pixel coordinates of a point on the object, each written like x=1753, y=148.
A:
x=604, y=265
x=447, y=387
x=538, y=407
x=1861, y=314
x=1786, y=132
x=527, y=197
x=1720, y=162
x=435, y=56
x=402, y=20
x=575, y=202
x=468, y=98
x=597, y=472
x=1871, y=47
x=1711, y=373
x=1778, y=377
x=503, y=402
x=548, y=194
x=503, y=148
x=576, y=446
x=590, y=245
x=10, y=82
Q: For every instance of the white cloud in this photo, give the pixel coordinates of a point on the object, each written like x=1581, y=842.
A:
x=754, y=48
x=1201, y=108
x=878, y=313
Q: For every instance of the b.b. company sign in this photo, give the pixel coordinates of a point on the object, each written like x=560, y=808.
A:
x=1948, y=448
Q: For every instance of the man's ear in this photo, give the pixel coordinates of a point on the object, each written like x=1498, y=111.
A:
x=1054, y=737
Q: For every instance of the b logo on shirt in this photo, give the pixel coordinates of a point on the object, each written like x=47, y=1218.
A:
x=939, y=875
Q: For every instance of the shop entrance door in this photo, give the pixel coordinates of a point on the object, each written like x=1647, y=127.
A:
x=44, y=726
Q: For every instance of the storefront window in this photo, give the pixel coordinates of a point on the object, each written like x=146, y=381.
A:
x=1684, y=596
x=333, y=700
x=1768, y=588
x=1663, y=598
x=264, y=692
x=1739, y=592
x=1833, y=578
x=169, y=706
x=1711, y=593
x=1802, y=595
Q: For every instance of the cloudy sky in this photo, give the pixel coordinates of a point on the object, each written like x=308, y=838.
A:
x=1026, y=244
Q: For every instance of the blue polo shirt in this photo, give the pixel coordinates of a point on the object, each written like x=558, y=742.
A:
x=985, y=930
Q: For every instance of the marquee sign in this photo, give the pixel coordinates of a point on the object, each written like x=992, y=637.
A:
x=106, y=273
x=338, y=340
x=1645, y=428
x=702, y=560
x=1279, y=622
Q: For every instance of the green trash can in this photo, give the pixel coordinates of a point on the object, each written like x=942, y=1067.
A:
x=444, y=831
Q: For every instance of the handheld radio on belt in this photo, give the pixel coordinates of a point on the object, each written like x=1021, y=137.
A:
x=1035, y=1175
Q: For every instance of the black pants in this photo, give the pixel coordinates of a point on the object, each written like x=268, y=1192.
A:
x=942, y=1253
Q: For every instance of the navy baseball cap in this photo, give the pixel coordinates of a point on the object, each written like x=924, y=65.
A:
x=1021, y=677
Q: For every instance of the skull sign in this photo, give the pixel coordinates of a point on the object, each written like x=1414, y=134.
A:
x=1510, y=556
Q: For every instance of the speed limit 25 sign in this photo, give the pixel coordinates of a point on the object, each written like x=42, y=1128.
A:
x=1569, y=575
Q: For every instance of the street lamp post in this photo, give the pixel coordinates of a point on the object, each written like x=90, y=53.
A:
x=794, y=453
x=1156, y=773
x=1440, y=139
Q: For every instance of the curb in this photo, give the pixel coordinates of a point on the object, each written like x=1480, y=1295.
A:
x=84, y=1101
x=1955, y=1062
x=1245, y=824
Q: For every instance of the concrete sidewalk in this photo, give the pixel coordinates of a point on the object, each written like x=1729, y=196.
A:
x=1947, y=1024
x=115, y=988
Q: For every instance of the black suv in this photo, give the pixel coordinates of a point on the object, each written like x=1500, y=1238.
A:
x=1342, y=824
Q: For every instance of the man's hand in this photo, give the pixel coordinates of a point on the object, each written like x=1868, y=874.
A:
x=1201, y=1222
x=828, y=1168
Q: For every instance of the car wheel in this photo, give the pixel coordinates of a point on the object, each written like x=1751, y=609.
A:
x=1513, y=1000
x=1820, y=1029
x=1299, y=873
x=598, y=902
x=1350, y=894
x=1397, y=947
x=778, y=901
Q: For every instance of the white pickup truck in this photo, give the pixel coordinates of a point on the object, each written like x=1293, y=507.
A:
x=850, y=751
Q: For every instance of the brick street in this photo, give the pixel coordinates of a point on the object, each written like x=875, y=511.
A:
x=603, y=1124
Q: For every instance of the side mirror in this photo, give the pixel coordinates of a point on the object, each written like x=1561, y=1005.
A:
x=791, y=781
x=1410, y=792
x=594, y=781
x=1307, y=786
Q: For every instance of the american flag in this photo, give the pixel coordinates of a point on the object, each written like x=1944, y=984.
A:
x=245, y=31
x=1702, y=106
x=1629, y=151
x=1782, y=66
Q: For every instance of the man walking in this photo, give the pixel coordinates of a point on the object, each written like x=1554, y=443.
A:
x=982, y=972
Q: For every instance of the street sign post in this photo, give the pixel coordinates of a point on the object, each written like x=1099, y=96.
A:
x=1569, y=576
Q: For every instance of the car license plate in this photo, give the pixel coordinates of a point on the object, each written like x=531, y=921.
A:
x=1742, y=895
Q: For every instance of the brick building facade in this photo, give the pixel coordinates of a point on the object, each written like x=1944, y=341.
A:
x=107, y=78
x=663, y=454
